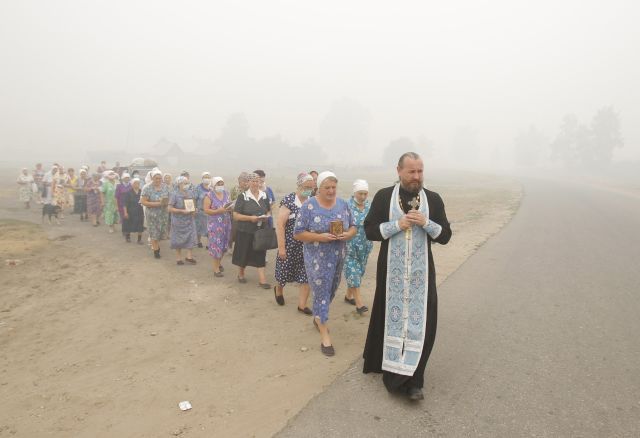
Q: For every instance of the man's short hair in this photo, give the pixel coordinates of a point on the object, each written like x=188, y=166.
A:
x=260, y=173
x=411, y=155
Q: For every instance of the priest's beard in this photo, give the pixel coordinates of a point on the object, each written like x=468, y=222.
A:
x=412, y=186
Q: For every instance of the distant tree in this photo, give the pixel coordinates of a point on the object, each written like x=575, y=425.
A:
x=606, y=136
x=530, y=145
x=344, y=131
x=234, y=140
x=569, y=141
x=425, y=147
x=396, y=148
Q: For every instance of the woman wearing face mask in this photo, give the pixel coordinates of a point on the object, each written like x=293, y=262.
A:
x=290, y=261
x=155, y=197
x=183, y=225
x=216, y=206
x=358, y=248
x=92, y=189
x=201, y=192
x=121, y=191
x=251, y=212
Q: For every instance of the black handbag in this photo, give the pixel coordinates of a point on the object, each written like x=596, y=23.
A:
x=265, y=239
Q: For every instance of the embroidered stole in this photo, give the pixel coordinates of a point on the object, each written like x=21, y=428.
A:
x=407, y=287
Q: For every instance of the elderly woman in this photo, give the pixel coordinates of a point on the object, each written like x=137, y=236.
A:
x=92, y=189
x=80, y=196
x=25, y=192
x=108, y=199
x=132, y=212
x=167, y=179
x=200, y=193
x=121, y=191
x=218, y=208
x=251, y=211
x=290, y=260
x=358, y=248
x=324, y=225
x=183, y=226
x=155, y=197
x=60, y=194
x=70, y=187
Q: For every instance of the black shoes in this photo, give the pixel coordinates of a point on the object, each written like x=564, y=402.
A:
x=414, y=393
x=279, y=298
x=362, y=310
x=351, y=301
x=328, y=351
x=156, y=253
x=306, y=311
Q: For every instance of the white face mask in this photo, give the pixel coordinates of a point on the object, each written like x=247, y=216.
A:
x=219, y=189
x=206, y=181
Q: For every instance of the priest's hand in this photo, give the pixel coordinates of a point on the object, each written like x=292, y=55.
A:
x=416, y=218
x=404, y=223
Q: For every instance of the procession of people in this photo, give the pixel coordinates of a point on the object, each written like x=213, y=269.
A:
x=319, y=238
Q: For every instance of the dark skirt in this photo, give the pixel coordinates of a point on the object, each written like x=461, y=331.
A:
x=135, y=223
x=79, y=204
x=244, y=254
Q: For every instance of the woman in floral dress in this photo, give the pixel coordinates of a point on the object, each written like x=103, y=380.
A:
x=108, y=200
x=25, y=181
x=92, y=189
x=358, y=248
x=324, y=252
x=183, y=225
x=290, y=261
x=219, y=222
x=155, y=197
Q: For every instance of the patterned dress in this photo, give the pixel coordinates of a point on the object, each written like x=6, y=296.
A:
x=157, y=218
x=110, y=210
x=219, y=227
x=26, y=188
x=121, y=191
x=323, y=261
x=292, y=269
x=60, y=195
x=358, y=248
x=93, y=197
x=202, y=220
x=183, y=226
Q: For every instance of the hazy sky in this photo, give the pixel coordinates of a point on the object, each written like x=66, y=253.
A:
x=91, y=74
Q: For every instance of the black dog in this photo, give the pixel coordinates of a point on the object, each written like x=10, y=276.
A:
x=51, y=210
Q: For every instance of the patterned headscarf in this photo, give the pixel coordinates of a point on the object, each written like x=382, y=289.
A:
x=303, y=177
x=181, y=179
x=244, y=176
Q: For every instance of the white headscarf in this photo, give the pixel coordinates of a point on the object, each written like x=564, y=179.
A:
x=215, y=180
x=360, y=185
x=324, y=175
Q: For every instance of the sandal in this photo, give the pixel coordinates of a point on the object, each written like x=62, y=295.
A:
x=264, y=285
x=362, y=310
x=191, y=261
x=351, y=301
x=306, y=311
x=279, y=298
x=327, y=351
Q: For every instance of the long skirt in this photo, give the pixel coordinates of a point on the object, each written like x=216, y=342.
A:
x=79, y=203
x=244, y=254
x=183, y=231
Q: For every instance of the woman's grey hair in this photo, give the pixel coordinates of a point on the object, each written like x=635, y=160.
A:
x=411, y=155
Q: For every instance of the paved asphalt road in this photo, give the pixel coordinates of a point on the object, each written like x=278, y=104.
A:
x=539, y=334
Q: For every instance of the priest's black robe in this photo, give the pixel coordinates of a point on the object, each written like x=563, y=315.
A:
x=373, y=350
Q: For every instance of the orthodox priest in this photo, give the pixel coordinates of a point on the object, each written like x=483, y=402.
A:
x=406, y=218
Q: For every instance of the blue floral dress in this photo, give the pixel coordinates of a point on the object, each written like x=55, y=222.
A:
x=358, y=248
x=183, y=226
x=202, y=219
x=157, y=218
x=323, y=261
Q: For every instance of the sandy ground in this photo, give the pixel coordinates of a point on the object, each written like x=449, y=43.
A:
x=98, y=339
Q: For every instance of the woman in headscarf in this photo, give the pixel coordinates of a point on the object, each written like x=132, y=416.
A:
x=108, y=199
x=70, y=187
x=121, y=191
x=49, y=182
x=251, y=212
x=201, y=193
x=92, y=189
x=183, y=226
x=155, y=197
x=167, y=179
x=218, y=209
x=132, y=214
x=324, y=225
x=290, y=260
x=60, y=194
x=358, y=248
x=80, y=196
x=25, y=192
